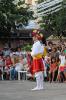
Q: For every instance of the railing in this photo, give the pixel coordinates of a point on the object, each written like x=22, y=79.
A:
x=49, y=6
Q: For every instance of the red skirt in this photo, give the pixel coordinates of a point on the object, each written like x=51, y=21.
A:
x=61, y=68
x=37, y=65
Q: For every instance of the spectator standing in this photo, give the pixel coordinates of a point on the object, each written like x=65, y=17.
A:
x=61, y=67
x=53, y=68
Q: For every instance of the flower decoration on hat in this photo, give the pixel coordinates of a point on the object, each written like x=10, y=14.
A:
x=35, y=32
x=41, y=35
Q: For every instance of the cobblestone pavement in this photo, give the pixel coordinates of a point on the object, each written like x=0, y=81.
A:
x=21, y=90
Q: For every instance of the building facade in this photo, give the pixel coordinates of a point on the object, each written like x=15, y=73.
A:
x=28, y=2
x=31, y=2
x=49, y=6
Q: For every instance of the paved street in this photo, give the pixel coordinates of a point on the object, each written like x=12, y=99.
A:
x=21, y=90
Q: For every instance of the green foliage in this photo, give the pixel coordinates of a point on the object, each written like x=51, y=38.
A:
x=10, y=12
x=40, y=1
x=21, y=2
x=27, y=47
x=55, y=22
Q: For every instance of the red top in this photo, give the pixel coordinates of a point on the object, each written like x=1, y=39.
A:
x=53, y=67
x=8, y=63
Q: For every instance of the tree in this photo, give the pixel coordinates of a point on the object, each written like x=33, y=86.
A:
x=11, y=12
x=7, y=9
x=55, y=22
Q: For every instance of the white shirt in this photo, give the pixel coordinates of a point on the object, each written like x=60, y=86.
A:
x=37, y=48
x=62, y=58
x=18, y=67
x=19, y=53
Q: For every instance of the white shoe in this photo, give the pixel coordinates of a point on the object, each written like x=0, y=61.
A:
x=41, y=88
x=36, y=88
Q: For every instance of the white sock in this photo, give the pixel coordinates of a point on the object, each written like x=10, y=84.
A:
x=41, y=80
x=38, y=81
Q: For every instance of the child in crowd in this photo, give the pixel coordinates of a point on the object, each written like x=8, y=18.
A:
x=47, y=61
x=12, y=70
x=53, y=68
x=61, y=75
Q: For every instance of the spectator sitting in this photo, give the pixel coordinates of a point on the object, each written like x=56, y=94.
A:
x=6, y=51
x=19, y=64
x=1, y=65
x=8, y=64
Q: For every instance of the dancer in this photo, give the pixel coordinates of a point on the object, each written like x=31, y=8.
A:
x=38, y=67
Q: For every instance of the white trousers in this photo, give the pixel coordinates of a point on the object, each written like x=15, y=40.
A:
x=39, y=80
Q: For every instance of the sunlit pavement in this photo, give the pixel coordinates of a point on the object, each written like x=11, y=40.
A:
x=21, y=90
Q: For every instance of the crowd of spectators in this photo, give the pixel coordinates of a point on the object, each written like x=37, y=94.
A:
x=12, y=61
x=55, y=62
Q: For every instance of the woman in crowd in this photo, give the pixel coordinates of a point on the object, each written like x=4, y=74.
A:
x=8, y=65
x=1, y=66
